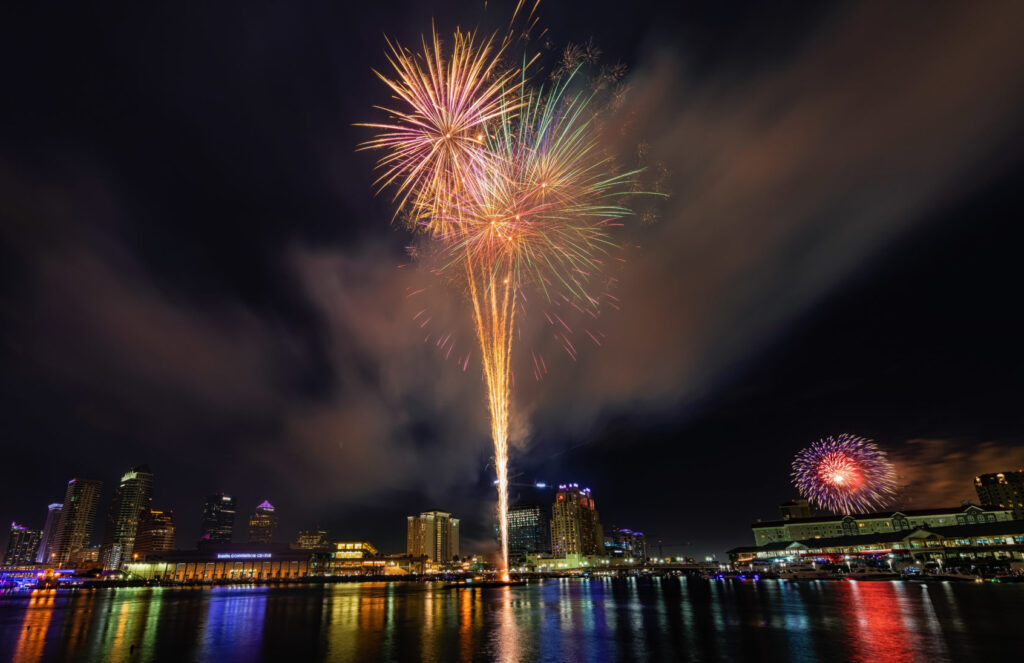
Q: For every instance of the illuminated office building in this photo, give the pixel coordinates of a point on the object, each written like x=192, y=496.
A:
x=263, y=523
x=156, y=533
x=218, y=518
x=529, y=529
x=22, y=546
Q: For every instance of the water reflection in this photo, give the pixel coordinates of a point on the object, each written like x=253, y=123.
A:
x=557, y=620
x=234, y=624
x=33, y=628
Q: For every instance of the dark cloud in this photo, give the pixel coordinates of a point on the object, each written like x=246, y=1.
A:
x=941, y=471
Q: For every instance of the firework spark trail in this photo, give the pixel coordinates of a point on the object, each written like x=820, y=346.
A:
x=493, y=317
x=510, y=182
x=845, y=474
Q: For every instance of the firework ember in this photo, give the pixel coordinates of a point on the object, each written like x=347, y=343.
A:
x=508, y=180
x=845, y=474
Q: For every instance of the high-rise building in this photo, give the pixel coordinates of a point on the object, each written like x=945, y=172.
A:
x=434, y=534
x=311, y=539
x=21, y=546
x=263, y=523
x=133, y=496
x=529, y=529
x=218, y=518
x=575, y=524
x=77, y=518
x=49, y=533
x=629, y=543
x=795, y=509
x=1003, y=490
x=156, y=533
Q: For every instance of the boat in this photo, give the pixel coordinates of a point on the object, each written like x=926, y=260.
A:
x=804, y=572
x=871, y=573
x=955, y=575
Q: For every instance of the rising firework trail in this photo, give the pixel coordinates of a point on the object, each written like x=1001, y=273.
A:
x=845, y=474
x=509, y=182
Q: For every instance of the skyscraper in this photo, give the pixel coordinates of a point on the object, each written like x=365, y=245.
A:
x=77, y=517
x=1004, y=490
x=134, y=495
x=156, y=532
x=218, y=518
x=21, y=546
x=529, y=529
x=49, y=533
x=575, y=525
x=263, y=523
x=434, y=534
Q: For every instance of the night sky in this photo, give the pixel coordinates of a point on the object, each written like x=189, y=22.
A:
x=195, y=272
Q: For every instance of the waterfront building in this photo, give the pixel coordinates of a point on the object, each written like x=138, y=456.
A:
x=999, y=540
x=311, y=539
x=575, y=524
x=356, y=558
x=77, y=518
x=629, y=543
x=156, y=533
x=825, y=527
x=1002, y=490
x=403, y=565
x=263, y=523
x=134, y=495
x=218, y=518
x=49, y=533
x=795, y=509
x=226, y=562
x=22, y=546
x=433, y=534
x=529, y=529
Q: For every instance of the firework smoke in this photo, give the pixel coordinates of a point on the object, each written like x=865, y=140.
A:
x=845, y=474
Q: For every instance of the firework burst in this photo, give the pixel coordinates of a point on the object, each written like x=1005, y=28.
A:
x=434, y=143
x=509, y=182
x=845, y=474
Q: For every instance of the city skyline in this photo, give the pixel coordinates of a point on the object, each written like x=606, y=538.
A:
x=568, y=525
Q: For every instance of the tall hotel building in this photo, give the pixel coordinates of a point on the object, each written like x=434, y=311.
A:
x=575, y=525
x=1003, y=490
x=134, y=496
x=77, y=518
x=218, y=518
x=434, y=534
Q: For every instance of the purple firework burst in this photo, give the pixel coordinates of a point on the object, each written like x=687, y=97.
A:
x=845, y=474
